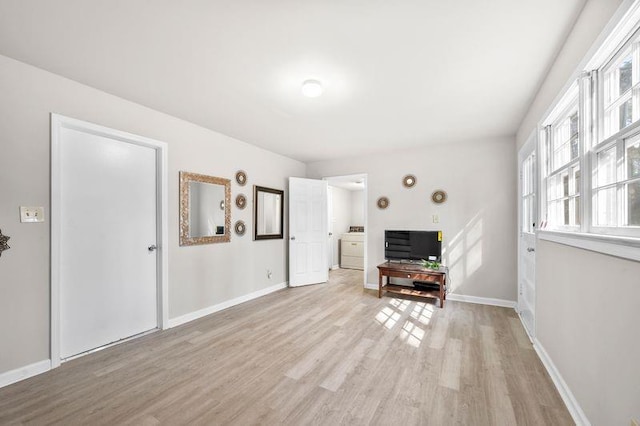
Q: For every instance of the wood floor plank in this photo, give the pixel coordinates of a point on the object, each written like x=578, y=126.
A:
x=326, y=354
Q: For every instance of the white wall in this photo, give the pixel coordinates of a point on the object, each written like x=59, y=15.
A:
x=478, y=220
x=357, y=208
x=199, y=276
x=587, y=303
x=341, y=218
x=587, y=321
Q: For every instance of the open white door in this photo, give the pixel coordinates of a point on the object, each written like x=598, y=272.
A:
x=528, y=209
x=308, y=230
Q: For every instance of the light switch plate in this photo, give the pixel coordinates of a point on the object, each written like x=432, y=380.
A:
x=31, y=214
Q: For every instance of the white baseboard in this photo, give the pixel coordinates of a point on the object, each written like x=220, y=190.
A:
x=174, y=322
x=569, y=400
x=482, y=300
x=334, y=267
x=25, y=372
x=468, y=299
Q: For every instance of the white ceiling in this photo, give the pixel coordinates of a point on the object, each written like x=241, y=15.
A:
x=397, y=74
x=350, y=183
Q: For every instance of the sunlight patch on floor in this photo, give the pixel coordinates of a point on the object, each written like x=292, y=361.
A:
x=422, y=312
x=388, y=317
x=412, y=334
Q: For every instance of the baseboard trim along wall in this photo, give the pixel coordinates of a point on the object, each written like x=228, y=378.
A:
x=467, y=299
x=565, y=393
x=25, y=372
x=482, y=300
x=334, y=267
x=174, y=322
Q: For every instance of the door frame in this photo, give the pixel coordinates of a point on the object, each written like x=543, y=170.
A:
x=59, y=122
x=365, y=200
x=529, y=147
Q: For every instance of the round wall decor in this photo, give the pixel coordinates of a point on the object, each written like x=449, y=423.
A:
x=240, y=227
x=4, y=240
x=383, y=203
x=241, y=178
x=409, y=181
x=241, y=201
x=439, y=196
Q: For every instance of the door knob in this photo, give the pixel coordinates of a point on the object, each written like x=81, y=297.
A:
x=530, y=249
x=293, y=238
x=152, y=247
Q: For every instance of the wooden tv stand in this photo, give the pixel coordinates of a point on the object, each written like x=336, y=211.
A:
x=415, y=272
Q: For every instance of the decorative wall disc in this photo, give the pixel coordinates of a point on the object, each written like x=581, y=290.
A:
x=4, y=243
x=439, y=196
x=241, y=178
x=383, y=203
x=409, y=181
x=241, y=201
x=240, y=227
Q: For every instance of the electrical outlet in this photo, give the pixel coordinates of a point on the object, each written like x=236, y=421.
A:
x=435, y=218
x=31, y=214
x=269, y=273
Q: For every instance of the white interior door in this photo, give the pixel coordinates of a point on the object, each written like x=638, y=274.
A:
x=107, y=225
x=527, y=239
x=308, y=232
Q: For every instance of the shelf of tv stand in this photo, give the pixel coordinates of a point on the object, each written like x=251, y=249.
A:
x=411, y=291
x=415, y=272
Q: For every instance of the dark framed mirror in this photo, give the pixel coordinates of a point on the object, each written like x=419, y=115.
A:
x=268, y=213
x=205, y=203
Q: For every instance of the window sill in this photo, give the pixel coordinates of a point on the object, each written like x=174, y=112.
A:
x=623, y=247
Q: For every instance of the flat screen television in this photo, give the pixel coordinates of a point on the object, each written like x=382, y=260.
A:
x=412, y=245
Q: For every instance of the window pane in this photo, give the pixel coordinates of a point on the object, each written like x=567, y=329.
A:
x=553, y=213
x=625, y=80
x=633, y=203
x=633, y=159
x=576, y=180
x=573, y=125
x=576, y=210
x=607, y=166
x=565, y=184
x=554, y=188
x=626, y=115
x=566, y=212
x=574, y=147
x=525, y=214
x=561, y=156
x=606, y=204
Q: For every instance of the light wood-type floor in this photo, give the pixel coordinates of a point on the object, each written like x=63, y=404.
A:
x=326, y=354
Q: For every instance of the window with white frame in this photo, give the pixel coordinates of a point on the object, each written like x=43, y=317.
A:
x=621, y=89
x=561, y=169
x=616, y=186
x=615, y=156
x=596, y=127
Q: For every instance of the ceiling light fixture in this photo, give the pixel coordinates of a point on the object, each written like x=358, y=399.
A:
x=312, y=88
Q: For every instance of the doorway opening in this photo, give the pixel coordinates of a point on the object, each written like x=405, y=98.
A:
x=347, y=213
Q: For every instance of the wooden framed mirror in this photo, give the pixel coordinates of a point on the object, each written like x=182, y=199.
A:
x=205, y=209
x=268, y=214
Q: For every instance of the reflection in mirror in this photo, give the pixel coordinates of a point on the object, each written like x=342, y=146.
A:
x=204, y=209
x=268, y=213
